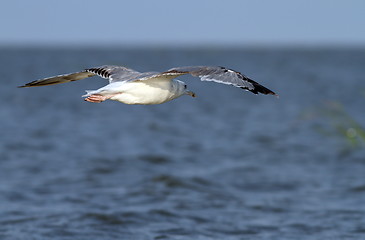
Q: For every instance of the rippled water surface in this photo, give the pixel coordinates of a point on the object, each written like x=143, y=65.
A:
x=225, y=165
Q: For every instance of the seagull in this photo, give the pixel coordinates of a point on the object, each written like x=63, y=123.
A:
x=131, y=87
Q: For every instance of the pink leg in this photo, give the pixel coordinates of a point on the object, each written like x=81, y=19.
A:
x=97, y=98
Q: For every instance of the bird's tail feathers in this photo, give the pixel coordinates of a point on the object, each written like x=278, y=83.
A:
x=89, y=93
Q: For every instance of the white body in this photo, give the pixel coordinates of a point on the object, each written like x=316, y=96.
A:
x=153, y=91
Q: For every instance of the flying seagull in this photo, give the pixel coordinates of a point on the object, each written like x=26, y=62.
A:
x=131, y=87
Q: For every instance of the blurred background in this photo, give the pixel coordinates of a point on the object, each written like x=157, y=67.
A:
x=225, y=165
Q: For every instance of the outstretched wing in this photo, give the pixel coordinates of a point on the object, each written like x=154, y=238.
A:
x=217, y=74
x=113, y=73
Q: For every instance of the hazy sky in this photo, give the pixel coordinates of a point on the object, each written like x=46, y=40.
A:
x=169, y=22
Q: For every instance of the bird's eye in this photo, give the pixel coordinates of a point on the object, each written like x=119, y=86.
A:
x=184, y=86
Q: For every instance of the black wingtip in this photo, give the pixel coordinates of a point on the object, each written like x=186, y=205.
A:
x=258, y=88
x=27, y=85
x=261, y=89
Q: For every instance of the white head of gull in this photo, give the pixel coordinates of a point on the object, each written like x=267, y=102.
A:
x=131, y=87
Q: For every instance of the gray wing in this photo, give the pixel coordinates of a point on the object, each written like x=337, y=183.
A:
x=113, y=73
x=216, y=74
x=221, y=75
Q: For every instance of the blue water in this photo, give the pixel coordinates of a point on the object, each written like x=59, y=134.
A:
x=225, y=165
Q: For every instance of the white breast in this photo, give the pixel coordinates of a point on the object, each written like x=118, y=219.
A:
x=153, y=91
